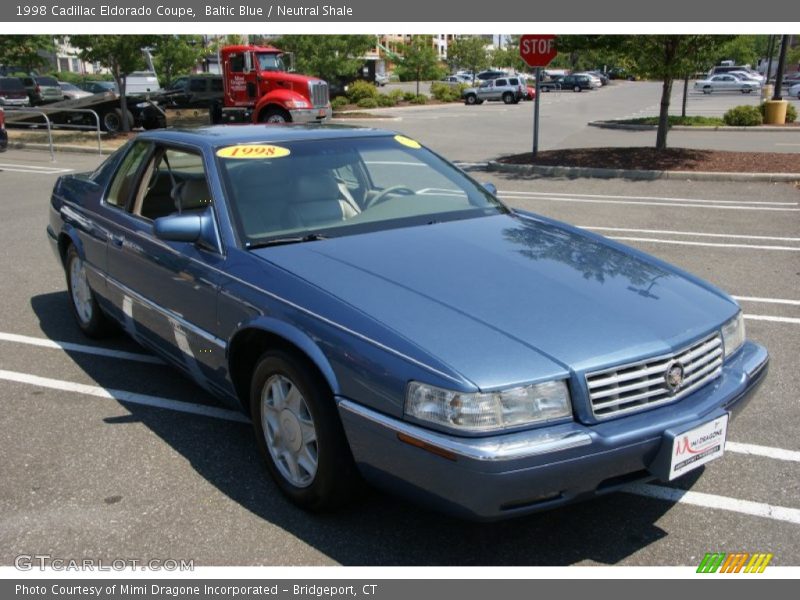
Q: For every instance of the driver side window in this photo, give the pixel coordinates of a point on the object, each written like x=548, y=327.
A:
x=173, y=181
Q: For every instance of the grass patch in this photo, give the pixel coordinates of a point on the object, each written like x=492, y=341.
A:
x=691, y=121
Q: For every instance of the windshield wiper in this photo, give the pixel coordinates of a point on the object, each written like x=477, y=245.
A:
x=311, y=237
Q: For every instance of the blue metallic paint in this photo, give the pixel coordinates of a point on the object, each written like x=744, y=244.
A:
x=476, y=304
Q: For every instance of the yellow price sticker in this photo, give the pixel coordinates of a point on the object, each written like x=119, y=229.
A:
x=253, y=151
x=407, y=141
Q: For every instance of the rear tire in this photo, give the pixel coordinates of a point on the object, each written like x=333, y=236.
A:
x=88, y=315
x=577, y=88
x=299, y=433
x=111, y=121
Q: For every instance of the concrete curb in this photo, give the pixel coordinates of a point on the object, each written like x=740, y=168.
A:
x=641, y=127
x=637, y=174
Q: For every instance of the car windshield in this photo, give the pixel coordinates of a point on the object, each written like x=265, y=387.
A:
x=270, y=62
x=49, y=81
x=329, y=188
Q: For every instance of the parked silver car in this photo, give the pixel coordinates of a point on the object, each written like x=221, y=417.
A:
x=508, y=89
x=726, y=83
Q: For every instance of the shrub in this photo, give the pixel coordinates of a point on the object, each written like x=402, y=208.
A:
x=420, y=99
x=447, y=93
x=367, y=103
x=409, y=96
x=358, y=90
x=339, y=102
x=396, y=95
x=386, y=100
x=743, y=116
x=791, y=114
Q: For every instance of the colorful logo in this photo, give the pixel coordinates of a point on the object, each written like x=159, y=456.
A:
x=743, y=562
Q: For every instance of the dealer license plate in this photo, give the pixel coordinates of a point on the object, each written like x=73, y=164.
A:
x=698, y=446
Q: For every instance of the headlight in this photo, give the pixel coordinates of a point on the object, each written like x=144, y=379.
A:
x=142, y=104
x=488, y=411
x=733, y=334
x=297, y=104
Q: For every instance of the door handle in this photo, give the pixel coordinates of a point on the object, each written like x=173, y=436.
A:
x=117, y=240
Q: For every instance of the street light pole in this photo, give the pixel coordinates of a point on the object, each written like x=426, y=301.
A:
x=536, y=112
x=781, y=63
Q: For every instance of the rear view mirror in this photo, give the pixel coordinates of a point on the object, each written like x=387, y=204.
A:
x=490, y=187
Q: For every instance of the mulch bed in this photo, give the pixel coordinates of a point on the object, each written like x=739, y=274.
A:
x=671, y=159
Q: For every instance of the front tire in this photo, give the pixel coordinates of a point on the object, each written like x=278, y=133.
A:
x=299, y=433
x=577, y=88
x=275, y=116
x=508, y=98
x=471, y=99
x=88, y=314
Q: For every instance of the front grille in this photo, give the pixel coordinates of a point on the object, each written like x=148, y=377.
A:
x=319, y=93
x=641, y=385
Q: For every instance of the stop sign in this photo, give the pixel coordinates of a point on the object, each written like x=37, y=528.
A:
x=537, y=50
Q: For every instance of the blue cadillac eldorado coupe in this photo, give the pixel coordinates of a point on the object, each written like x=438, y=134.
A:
x=382, y=316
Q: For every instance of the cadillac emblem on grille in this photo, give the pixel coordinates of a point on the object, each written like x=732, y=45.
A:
x=674, y=376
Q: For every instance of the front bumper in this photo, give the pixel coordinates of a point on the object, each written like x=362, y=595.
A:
x=311, y=115
x=514, y=474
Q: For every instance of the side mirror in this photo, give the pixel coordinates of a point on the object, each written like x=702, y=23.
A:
x=490, y=187
x=178, y=228
x=193, y=228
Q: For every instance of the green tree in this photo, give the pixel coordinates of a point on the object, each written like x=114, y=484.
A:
x=742, y=49
x=25, y=51
x=419, y=60
x=468, y=53
x=665, y=57
x=121, y=54
x=508, y=58
x=176, y=54
x=331, y=57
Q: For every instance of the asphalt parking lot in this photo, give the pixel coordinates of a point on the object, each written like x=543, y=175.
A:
x=108, y=453
x=478, y=133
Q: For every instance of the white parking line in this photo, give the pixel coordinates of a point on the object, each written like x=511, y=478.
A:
x=70, y=347
x=694, y=233
x=124, y=396
x=706, y=244
x=766, y=451
x=767, y=300
x=772, y=319
x=657, y=198
x=667, y=204
x=33, y=169
x=745, y=507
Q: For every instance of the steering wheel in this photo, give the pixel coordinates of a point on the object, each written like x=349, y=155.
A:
x=384, y=194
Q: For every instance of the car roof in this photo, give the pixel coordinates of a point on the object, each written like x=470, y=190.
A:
x=224, y=135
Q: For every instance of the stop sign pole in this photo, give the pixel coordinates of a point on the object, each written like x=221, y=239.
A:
x=537, y=51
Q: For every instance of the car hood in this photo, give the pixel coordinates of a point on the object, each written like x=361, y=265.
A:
x=508, y=299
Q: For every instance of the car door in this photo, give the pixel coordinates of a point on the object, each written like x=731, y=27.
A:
x=167, y=291
x=484, y=91
x=499, y=88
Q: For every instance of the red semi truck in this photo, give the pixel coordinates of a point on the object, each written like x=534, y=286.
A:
x=259, y=89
